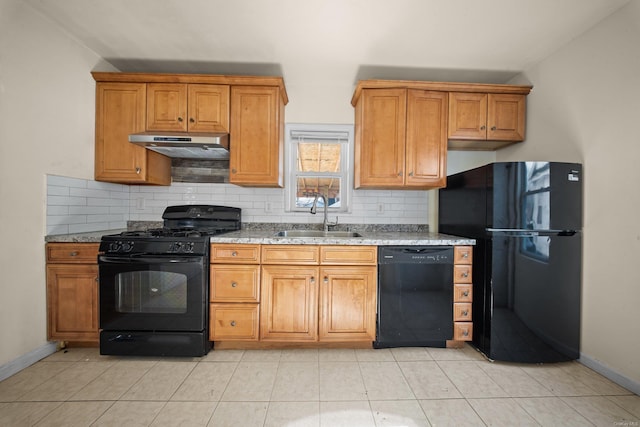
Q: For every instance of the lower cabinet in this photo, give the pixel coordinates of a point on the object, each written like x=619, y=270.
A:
x=347, y=303
x=72, y=292
x=462, y=293
x=293, y=293
x=289, y=303
x=234, y=292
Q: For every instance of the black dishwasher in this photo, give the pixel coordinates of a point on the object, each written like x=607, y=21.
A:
x=415, y=296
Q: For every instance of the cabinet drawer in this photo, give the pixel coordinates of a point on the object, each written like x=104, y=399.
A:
x=235, y=254
x=233, y=322
x=349, y=255
x=235, y=283
x=463, y=331
x=81, y=253
x=290, y=254
x=462, y=293
x=462, y=274
x=462, y=255
x=462, y=312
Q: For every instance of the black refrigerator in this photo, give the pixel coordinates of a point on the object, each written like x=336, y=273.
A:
x=526, y=218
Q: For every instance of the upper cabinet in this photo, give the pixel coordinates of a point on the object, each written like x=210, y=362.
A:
x=488, y=120
x=250, y=109
x=257, y=136
x=404, y=128
x=120, y=111
x=187, y=107
x=400, y=138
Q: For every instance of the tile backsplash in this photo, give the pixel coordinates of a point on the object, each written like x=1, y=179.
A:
x=77, y=205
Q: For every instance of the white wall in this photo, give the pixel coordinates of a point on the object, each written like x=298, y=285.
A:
x=584, y=107
x=46, y=126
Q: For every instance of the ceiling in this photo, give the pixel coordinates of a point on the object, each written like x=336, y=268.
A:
x=330, y=41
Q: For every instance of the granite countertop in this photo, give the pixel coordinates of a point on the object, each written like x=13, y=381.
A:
x=257, y=236
x=368, y=238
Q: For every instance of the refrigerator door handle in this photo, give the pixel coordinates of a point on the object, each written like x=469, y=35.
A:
x=527, y=232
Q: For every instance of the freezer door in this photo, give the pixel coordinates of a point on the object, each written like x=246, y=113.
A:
x=531, y=288
x=535, y=196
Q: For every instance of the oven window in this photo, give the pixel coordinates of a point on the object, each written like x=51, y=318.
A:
x=151, y=292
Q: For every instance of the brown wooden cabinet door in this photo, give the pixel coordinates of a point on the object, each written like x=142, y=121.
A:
x=380, y=138
x=72, y=299
x=176, y=107
x=256, y=136
x=468, y=116
x=166, y=107
x=208, y=108
x=506, y=117
x=288, y=303
x=347, y=304
x=426, y=147
x=120, y=111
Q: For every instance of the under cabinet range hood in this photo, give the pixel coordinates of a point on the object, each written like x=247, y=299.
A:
x=184, y=145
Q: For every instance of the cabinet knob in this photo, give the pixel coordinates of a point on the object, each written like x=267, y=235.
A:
x=493, y=128
x=74, y=253
x=180, y=119
x=465, y=274
x=138, y=170
x=465, y=313
x=465, y=255
x=400, y=173
x=234, y=284
x=465, y=333
x=483, y=127
x=465, y=294
x=410, y=173
x=233, y=323
x=233, y=170
x=234, y=253
x=326, y=280
x=313, y=280
x=192, y=120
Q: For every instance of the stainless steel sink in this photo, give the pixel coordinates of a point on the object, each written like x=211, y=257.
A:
x=316, y=233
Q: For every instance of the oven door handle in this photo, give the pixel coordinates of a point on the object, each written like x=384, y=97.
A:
x=104, y=259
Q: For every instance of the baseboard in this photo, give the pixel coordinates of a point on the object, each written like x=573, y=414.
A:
x=26, y=360
x=610, y=373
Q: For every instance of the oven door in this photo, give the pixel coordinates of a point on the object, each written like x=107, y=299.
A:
x=153, y=293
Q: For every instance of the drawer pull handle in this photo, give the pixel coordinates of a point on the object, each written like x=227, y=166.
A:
x=74, y=253
x=233, y=323
x=465, y=294
x=234, y=284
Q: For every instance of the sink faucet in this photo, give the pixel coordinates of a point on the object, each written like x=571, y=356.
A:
x=325, y=222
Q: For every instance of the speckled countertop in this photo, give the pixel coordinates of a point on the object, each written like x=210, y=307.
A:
x=368, y=238
x=378, y=238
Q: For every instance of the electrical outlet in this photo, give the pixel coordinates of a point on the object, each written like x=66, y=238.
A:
x=140, y=203
x=380, y=208
x=267, y=207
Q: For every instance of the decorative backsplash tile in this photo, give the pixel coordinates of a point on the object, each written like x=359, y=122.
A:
x=77, y=205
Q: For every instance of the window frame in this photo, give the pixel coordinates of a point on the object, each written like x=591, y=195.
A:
x=332, y=133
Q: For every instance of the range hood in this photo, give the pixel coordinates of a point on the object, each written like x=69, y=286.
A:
x=184, y=145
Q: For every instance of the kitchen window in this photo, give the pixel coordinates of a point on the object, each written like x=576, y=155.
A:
x=319, y=161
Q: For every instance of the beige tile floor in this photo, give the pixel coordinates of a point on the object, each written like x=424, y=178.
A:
x=332, y=387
